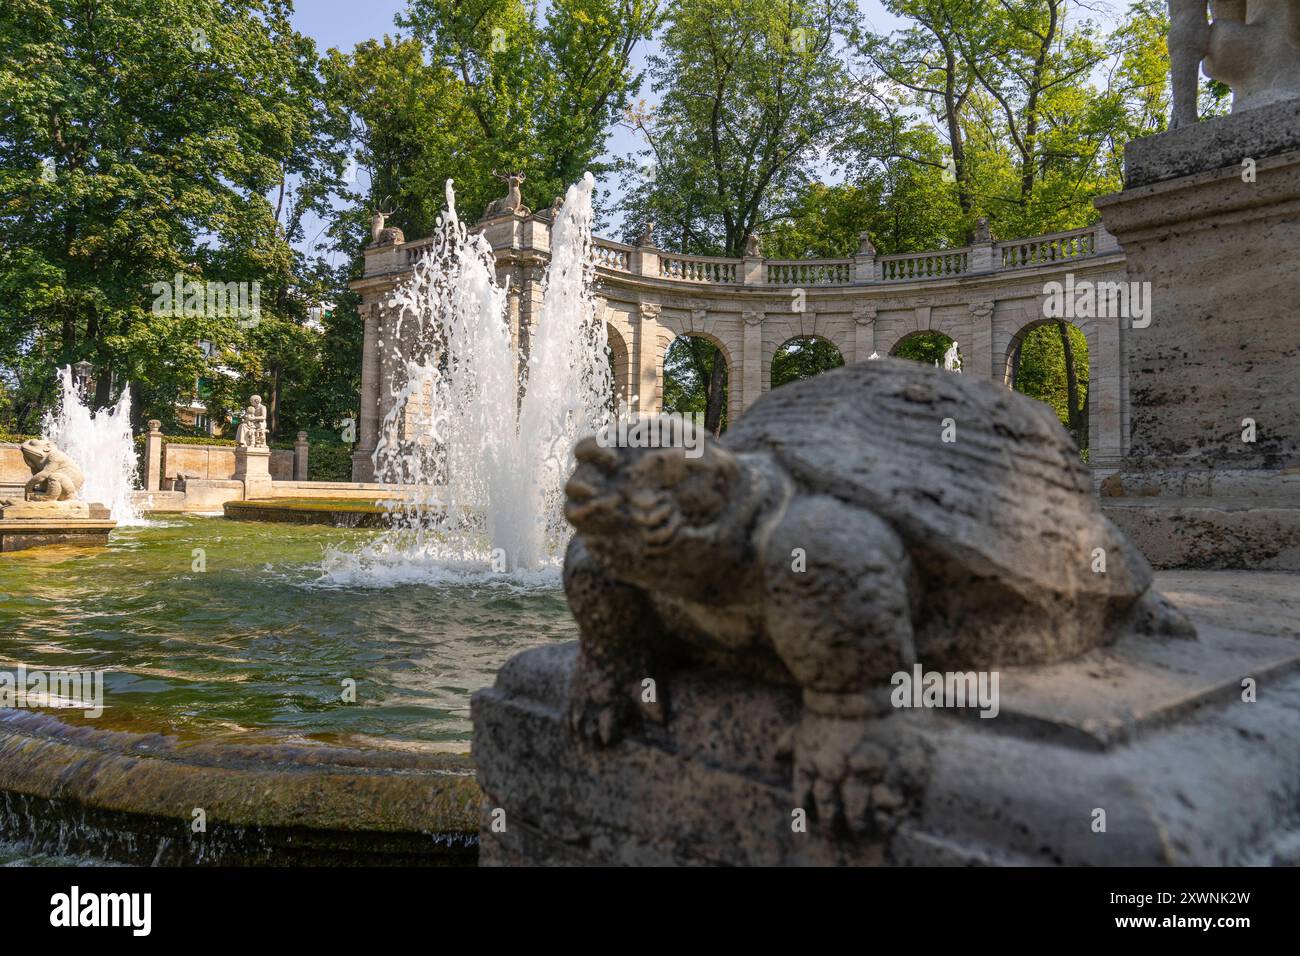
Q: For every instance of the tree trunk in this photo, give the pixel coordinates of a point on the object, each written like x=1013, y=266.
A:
x=273, y=405
x=1071, y=385
x=717, y=383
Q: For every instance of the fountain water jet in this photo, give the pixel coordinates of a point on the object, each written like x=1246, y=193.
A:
x=485, y=433
x=101, y=444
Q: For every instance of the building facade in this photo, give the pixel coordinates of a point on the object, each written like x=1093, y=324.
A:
x=986, y=296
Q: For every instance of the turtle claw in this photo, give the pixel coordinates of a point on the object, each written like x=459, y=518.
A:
x=599, y=716
x=836, y=772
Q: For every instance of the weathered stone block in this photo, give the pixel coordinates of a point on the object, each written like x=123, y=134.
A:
x=1154, y=733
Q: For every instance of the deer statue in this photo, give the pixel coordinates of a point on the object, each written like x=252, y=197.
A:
x=379, y=236
x=511, y=202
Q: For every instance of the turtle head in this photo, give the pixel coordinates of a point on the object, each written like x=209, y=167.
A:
x=653, y=515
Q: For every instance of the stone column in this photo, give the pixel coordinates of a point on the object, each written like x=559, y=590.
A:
x=153, y=446
x=864, y=261
x=978, y=357
x=751, y=270
x=981, y=250
x=363, y=468
x=1209, y=343
x=648, y=360
x=300, y=451
x=751, y=362
x=645, y=261
x=864, y=336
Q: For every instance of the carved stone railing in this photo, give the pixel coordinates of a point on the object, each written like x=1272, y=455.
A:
x=618, y=258
x=713, y=270
x=1050, y=248
x=614, y=256
x=809, y=272
x=910, y=266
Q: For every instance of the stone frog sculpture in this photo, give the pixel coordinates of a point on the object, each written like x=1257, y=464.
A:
x=847, y=526
x=55, y=476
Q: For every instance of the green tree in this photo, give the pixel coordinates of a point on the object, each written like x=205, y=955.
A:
x=803, y=358
x=141, y=139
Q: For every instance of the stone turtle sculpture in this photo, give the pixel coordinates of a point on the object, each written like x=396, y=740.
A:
x=834, y=538
x=55, y=476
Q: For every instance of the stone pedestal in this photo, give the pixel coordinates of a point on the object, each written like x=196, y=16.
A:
x=153, y=448
x=1210, y=220
x=1153, y=733
x=301, y=451
x=253, y=468
x=32, y=524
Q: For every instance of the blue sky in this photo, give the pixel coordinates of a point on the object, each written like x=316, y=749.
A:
x=344, y=23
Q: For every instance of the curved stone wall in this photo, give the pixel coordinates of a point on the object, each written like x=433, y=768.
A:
x=986, y=296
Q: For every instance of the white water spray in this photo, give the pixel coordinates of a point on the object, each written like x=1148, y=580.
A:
x=100, y=443
x=486, y=439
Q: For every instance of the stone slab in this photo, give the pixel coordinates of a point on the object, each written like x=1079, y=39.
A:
x=1213, y=143
x=1155, y=733
x=12, y=510
x=19, y=535
x=1211, y=532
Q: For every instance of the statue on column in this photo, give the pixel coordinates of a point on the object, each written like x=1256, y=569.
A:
x=252, y=429
x=1252, y=45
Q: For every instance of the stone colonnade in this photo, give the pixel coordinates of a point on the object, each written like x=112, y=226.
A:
x=986, y=296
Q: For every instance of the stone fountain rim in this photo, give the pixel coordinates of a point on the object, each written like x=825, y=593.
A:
x=431, y=798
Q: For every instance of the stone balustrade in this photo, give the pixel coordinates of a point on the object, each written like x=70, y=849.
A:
x=986, y=296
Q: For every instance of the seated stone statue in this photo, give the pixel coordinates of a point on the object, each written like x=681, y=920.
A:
x=55, y=476
x=252, y=429
x=846, y=528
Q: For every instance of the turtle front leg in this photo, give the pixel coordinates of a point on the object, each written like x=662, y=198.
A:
x=617, y=630
x=838, y=583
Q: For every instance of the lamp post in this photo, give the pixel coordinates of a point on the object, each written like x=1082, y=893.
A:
x=81, y=372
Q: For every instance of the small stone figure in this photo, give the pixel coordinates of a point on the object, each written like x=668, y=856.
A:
x=55, y=476
x=512, y=201
x=982, y=231
x=381, y=236
x=865, y=246
x=252, y=429
x=647, y=236
x=1253, y=46
x=753, y=246
x=836, y=537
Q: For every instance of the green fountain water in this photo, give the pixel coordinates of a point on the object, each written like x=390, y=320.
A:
x=206, y=627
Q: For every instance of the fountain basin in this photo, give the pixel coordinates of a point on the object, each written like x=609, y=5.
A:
x=312, y=719
x=134, y=798
x=336, y=512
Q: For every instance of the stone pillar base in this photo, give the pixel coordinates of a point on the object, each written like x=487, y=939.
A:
x=253, y=468
x=1164, y=745
x=1209, y=222
x=363, y=464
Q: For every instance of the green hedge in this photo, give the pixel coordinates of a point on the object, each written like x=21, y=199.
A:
x=16, y=439
x=198, y=440
x=329, y=461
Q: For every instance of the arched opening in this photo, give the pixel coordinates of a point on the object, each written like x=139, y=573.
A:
x=803, y=357
x=620, y=370
x=932, y=348
x=1048, y=360
x=696, y=378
